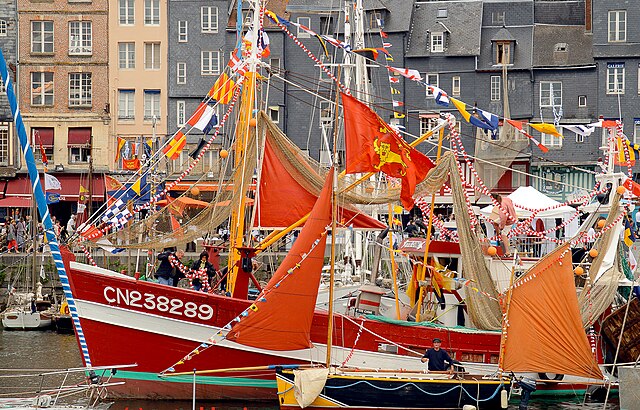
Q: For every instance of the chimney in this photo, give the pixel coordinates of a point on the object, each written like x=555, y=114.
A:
x=587, y=15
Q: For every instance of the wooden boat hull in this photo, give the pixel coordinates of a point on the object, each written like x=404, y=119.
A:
x=397, y=391
x=157, y=335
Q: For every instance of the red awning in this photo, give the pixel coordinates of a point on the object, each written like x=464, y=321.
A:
x=16, y=202
x=42, y=136
x=21, y=186
x=79, y=136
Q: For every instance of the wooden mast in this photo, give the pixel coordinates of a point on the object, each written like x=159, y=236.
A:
x=243, y=132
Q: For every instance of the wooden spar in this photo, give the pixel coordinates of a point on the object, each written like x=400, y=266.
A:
x=503, y=337
x=334, y=212
x=236, y=223
x=427, y=241
x=228, y=369
x=394, y=268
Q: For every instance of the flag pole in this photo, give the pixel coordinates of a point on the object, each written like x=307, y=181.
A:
x=41, y=203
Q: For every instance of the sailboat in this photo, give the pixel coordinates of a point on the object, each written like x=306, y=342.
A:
x=166, y=322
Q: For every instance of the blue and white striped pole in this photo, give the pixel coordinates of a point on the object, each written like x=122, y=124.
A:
x=42, y=204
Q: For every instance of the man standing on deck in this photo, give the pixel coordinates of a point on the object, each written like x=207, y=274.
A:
x=437, y=358
x=166, y=272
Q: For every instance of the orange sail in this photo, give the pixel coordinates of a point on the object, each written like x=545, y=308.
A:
x=281, y=317
x=544, y=331
x=283, y=200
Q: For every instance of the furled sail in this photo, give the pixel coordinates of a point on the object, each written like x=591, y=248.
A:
x=544, y=330
x=281, y=317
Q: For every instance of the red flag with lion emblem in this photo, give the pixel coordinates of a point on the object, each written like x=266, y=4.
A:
x=372, y=146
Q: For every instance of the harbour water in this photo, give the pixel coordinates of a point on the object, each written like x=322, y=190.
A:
x=49, y=350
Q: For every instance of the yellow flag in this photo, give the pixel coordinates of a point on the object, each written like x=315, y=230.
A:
x=398, y=115
x=546, y=128
x=222, y=89
x=461, y=107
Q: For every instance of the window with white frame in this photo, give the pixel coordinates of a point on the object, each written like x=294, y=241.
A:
x=181, y=113
x=455, y=85
x=636, y=130
x=126, y=12
x=427, y=123
x=3, y=28
x=151, y=12
x=431, y=79
x=495, y=88
x=437, y=42
x=550, y=94
x=582, y=101
x=41, y=88
x=305, y=21
x=79, y=155
x=79, y=89
x=326, y=113
x=210, y=63
x=328, y=62
x=151, y=105
x=126, y=104
x=80, y=38
x=209, y=19
x=503, y=52
x=183, y=31
x=274, y=114
x=442, y=13
x=617, y=26
x=579, y=138
x=151, y=56
x=4, y=144
x=552, y=141
x=126, y=55
x=274, y=63
x=638, y=78
x=181, y=73
x=615, y=78
x=42, y=36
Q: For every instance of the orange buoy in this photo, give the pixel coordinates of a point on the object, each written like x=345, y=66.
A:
x=195, y=191
x=621, y=190
x=224, y=153
x=601, y=223
x=492, y=251
x=253, y=122
x=593, y=253
x=578, y=271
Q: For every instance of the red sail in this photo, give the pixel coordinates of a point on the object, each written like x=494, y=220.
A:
x=545, y=332
x=281, y=317
x=283, y=200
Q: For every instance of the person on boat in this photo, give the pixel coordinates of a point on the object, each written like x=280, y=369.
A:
x=504, y=220
x=438, y=359
x=166, y=272
x=203, y=263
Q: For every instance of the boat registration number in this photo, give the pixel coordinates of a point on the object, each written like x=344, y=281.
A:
x=150, y=301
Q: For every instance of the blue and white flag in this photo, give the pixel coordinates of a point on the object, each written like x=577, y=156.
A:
x=117, y=215
x=583, y=130
x=440, y=96
x=485, y=120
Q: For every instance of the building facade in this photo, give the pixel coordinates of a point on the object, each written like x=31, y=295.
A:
x=9, y=159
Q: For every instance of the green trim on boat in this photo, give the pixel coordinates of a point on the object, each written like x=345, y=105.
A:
x=461, y=329
x=211, y=380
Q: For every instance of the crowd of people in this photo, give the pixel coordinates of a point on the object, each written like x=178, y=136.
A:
x=16, y=233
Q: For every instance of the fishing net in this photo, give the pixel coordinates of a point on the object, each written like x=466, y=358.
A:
x=485, y=312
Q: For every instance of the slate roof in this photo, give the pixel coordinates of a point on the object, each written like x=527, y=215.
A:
x=464, y=19
x=503, y=35
x=277, y=6
x=578, y=51
x=567, y=13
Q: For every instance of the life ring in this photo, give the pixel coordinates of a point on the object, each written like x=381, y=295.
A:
x=545, y=376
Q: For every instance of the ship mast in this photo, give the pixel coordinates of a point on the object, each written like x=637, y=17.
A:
x=238, y=282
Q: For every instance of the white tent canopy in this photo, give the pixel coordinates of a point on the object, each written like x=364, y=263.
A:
x=531, y=198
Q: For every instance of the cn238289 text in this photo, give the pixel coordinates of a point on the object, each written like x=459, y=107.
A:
x=150, y=301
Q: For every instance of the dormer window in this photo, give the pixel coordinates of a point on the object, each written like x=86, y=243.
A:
x=503, y=52
x=437, y=42
x=559, y=47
